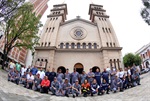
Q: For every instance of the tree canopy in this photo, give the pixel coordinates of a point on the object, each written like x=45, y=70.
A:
x=21, y=29
x=130, y=59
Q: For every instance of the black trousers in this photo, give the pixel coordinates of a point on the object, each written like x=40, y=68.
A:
x=44, y=89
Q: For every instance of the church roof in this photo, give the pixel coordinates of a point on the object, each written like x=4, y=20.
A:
x=78, y=19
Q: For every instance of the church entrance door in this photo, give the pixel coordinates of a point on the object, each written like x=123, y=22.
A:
x=79, y=67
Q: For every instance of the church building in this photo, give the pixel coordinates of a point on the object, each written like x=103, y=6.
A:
x=78, y=43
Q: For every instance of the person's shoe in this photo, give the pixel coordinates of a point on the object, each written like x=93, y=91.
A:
x=52, y=94
x=77, y=95
x=107, y=92
x=73, y=96
x=91, y=94
x=85, y=95
x=139, y=84
x=115, y=91
x=66, y=95
x=98, y=94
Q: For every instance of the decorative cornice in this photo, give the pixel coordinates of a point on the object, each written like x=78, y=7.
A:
x=94, y=5
x=57, y=16
x=78, y=50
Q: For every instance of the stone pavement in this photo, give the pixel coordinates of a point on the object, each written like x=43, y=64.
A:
x=13, y=92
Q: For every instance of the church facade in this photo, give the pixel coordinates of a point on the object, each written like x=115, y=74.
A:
x=78, y=43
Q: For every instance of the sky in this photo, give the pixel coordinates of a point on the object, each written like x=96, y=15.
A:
x=132, y=32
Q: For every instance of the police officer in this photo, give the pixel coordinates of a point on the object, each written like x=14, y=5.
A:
x=76, y=89
x=67, y=74
x=105, y=75
x=74, y=76
x=55, y=85
x=91, y=76
x=117, y=84
x=105, y=87
x=95, y=88
x=98, y=76
x=83, y=77
x=60, y=76
x=66, y=87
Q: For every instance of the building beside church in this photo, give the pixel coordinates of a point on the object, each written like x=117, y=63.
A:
x=23, y=55
x=78, y=43
x=144, y=53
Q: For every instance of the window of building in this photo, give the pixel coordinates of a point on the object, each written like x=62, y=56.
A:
x=102, y=19
x=78, y=45
x=96, y=12
x=106, y=30
x=53, y=29
x=107, y=44
x=105, y=19
x=49, y=44
x=109, y=30
x=45, y=43
x=110, y=62
x=99, y=18
x=115, y=63
x=46, y=29
x=84, y=45
x=103, y=29
x=95, y=45
x=111, y=44
x=89, y=45
x=61, y=45
x=143, y=56
x=53, y=13
x=114, y=45
x=42, y=44
x=72, y=45
x=67, y=45
x=118, y=62
x=49, y=29
x=53, y=18
x=50, y=19
x=56, y=18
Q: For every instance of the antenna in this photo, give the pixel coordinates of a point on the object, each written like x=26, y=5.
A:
x=63, y=1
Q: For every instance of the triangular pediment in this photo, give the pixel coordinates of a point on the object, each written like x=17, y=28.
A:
x=76, y=20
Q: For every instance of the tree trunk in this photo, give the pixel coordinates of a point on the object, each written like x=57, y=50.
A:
x=4, y=61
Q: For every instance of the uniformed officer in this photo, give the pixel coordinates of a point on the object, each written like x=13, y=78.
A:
x=105, y=75
x=83, y=77
x=60, y=76
x=67, y=75
x=98, y=76
x=76, y=89
x=91, y=76
x=55, y=85
x=105, y=87
x=95, y=88
x=74, y=76
x=117, y=84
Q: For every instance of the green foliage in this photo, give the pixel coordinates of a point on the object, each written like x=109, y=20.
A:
x=22, y=28
x=130, y=58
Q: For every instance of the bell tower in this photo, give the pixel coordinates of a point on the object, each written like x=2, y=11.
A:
x=50, y=31
x=108, y=38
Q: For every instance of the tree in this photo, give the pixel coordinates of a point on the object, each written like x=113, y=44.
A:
x=21, y=30
x=8, y=8
x=145, y=12
x=130, y=58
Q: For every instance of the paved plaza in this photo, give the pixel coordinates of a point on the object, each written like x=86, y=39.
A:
x=13, y=92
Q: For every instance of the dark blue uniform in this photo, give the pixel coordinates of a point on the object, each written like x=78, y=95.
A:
x=105, y=76
x=98, y=77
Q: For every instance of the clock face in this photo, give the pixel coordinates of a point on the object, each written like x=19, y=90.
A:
x=78, y=33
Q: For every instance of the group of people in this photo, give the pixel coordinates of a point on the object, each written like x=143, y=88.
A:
x=64, y=84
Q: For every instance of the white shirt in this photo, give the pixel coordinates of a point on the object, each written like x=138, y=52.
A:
x=12, y=65
x=108, y=69
x=129, y=72
x=125, y=73
x=30, y=77
x=23, y=70
x=42, y=74
x=121, y=74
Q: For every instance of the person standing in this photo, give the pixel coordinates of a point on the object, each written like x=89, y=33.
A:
x=12, y=65
x=52, y=75
x=23, y=70
x=60, y=76
x=83, y=77
x=41, y=72
x=45, y=85
x=34, y=70
x=18, y=67
x=105, y=75
x=98, y=76
x=121, y=74
x=112, y=76
x=90, y=76
x=74, y=76
x=67, y=75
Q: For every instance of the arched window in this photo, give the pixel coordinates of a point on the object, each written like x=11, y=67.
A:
x=61, y=45
x=78, y=45
x=42, y=44
x=45, y=43
x=67, y=45
x=84, y=45
x=95, y=45
x=111, y=44
x=89, y=45
x=72, y=45
x=107, y=44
